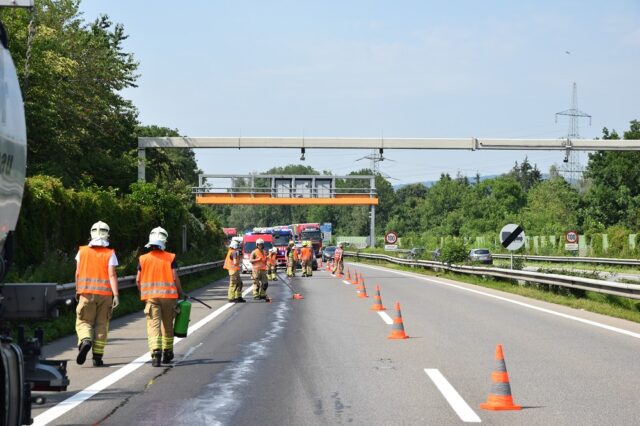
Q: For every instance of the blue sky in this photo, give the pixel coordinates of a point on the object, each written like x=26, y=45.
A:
x=381, y=68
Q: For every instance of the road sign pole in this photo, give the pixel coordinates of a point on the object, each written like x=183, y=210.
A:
x=511, y=260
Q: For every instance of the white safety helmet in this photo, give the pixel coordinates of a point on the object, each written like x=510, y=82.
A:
x=340, y=245
x=259, y=241
x=100, y=230
x=274, y=250
x=233, y=245
x=158, y=237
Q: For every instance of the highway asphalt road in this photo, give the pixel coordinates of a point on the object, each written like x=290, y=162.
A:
x=326, y=359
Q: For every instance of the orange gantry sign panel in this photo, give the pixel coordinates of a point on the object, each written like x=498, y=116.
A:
x=267, y=199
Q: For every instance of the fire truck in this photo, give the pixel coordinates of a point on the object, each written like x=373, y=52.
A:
x=308, y=232
x=281, y=236
x=249, y=245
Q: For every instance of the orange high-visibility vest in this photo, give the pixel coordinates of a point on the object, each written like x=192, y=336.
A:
x=156, y=276
x=230, y=263
x=271, y=259
x=293, y=253
x=338, y=255
x=261, y=264
x=306, y=253
x=93, y=271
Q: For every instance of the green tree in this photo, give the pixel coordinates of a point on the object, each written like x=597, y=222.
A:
x=552, y=208
x=79, y=126
x=487, y=206
x=614, y=195
x=444, y=197
x=526, y=174
x=404, y=217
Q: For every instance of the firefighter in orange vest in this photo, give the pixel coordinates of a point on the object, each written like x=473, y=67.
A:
x=338, y=259
x=306, y=255
x=160, y=287
x=292, y=259
x=96, y=293
x=258, y=261
x=272, y=263
x=232, y=264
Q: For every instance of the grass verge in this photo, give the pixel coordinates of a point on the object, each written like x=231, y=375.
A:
x=130, y=302
x=614, y=306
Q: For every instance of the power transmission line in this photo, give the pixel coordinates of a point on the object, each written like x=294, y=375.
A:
x=573, y=168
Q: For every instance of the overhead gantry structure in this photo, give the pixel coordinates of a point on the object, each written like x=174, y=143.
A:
x=287, y=190
x=301, y=190
x=304, y=143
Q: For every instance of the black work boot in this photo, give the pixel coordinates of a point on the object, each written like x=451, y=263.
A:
x=83, y=350
x=97, y=360
x=155, y=357
x=240, y=300
x=167, y=356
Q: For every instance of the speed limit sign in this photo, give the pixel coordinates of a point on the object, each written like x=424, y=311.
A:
x=391, y=238
x=571, y=237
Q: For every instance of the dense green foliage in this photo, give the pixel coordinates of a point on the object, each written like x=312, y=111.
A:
x=82, y=157
x=55, y=220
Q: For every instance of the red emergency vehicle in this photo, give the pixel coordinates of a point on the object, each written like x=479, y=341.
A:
x=249, y=245
x=308, y=232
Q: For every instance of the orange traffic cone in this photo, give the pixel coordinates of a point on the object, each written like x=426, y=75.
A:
x=328, y=268
x=348, y=274
x=397, y=329
x=377, y=301
x=354, y=280
x=362, y=293
x=360, y=284
x=298, y=296
x=500, y=396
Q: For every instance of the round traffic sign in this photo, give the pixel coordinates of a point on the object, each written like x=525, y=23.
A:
x=391, y=238
x=571, y=237
x=512, y=237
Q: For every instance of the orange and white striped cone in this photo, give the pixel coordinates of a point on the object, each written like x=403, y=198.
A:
x=362, y=293
x=348, y=274
x=397, y=329
x=360, y=283
x=377, y=301
x=500, y=397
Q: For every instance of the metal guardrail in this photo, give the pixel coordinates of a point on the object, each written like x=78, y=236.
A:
x=68, y=290
x=571, y=259
x=600, y=286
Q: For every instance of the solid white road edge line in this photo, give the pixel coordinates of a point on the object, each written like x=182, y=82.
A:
x=385, y=317
x=80, y=397
x=454, y=399
x=516, y=302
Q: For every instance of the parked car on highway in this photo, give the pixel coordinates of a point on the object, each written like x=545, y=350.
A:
x=481, y=255
x=328, y=253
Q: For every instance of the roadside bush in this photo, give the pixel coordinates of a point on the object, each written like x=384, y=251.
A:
x=619, y=242
x=454, y=251
x=55, y=220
